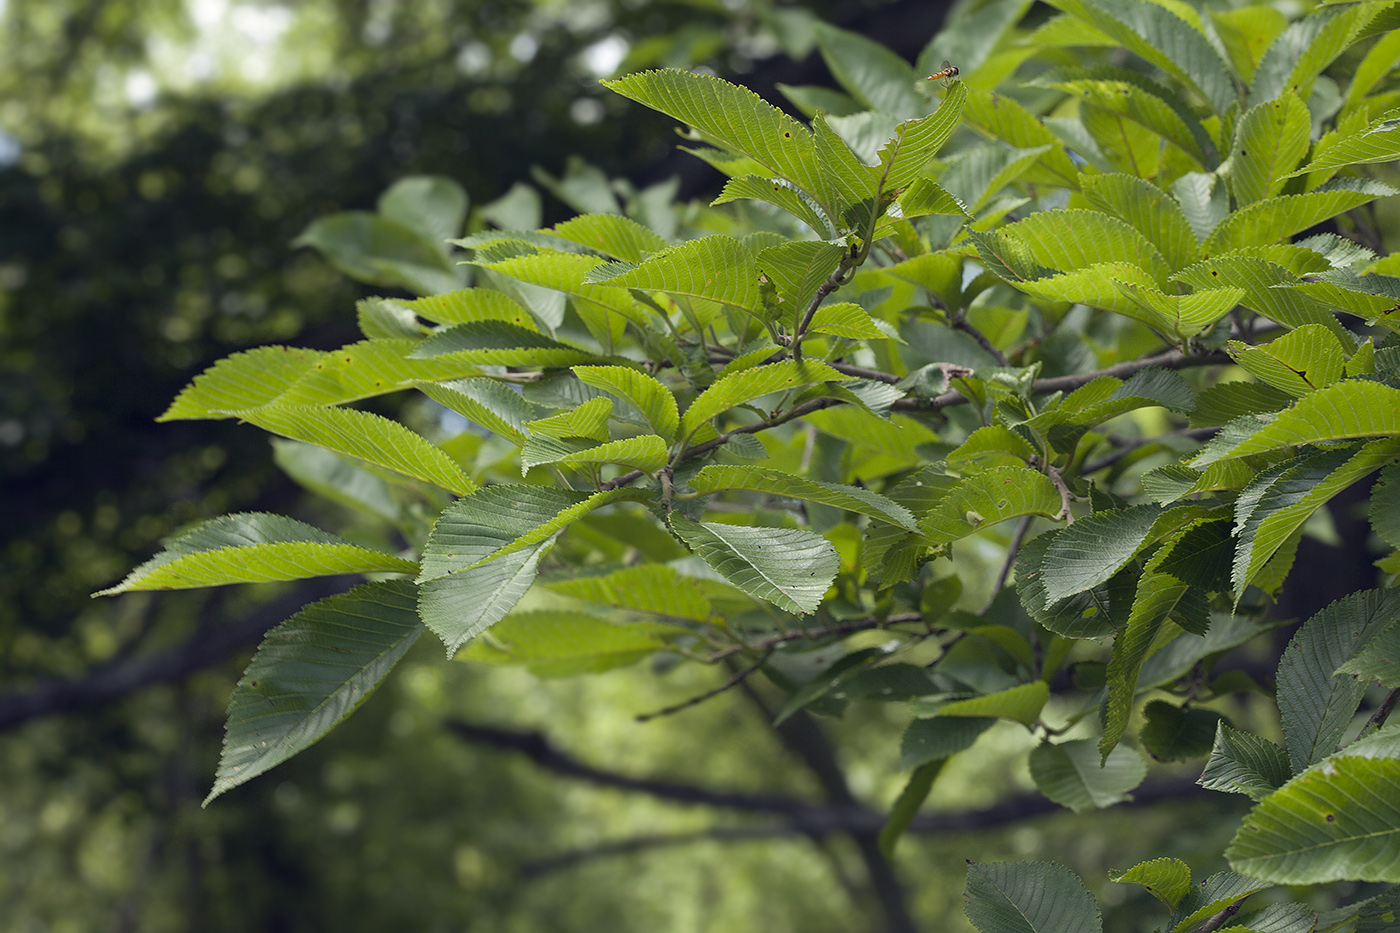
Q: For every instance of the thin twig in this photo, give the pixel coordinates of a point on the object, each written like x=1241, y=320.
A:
x=845, y=628
x=959, y=322
x=1017, y=538
x=816, y=821
x=728, y=685
x=1383, y=711
x=833, y=282
x=1172, y=359
x=1128, y=445
x=1217, y=921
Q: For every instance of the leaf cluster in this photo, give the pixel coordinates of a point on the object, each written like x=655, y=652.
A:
x=1080, y=311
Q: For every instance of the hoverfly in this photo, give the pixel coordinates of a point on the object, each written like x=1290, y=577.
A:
x=949, y=73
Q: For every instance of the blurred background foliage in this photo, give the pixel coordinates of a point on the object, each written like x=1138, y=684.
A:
x=157, y=159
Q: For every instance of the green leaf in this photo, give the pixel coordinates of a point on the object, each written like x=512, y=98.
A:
x=939, y=738
x=1243, y=763
x=253, y=547
x=1247, y=33
x=644, y=392
x=852, y=186
x=1129, y=290
x=337, y=478
x=1132, y=104
x=1083, y=615
x=565, y=272
x=588, y=419
x=734, y=117
x=645, y=452
x=828, y=680
x=1210, y=897
x=1315, y=703
x=733, y=390
x=492, y=405
x=1380, y=659
x=1301, y=361
x=561, y=644
x=1299, y=54
x=310, y=673
x=1159, y=596
x=875, y=76
x=907, y=805
x=1337, y=820
x=244, y=380
x=613, y=235
x=1341, y=411
x=1029, y=897
x=500, y=344
x=469, y=304
x=433, y=205
x=775, y=482
x=978, y=175
x=1009, y=120
x=1167, y=879
x=798, y=269
x=1074, y=775
x=924, y=197
x=916, y=141
x=1022, y=703
x=1163, y=37
x=717, y=268
x=1106, y=398
x=848, y=319
x=1378, y=142
x=1094, y=548
x=1269, y=140
x=386, y=320
x=1267, y=289
x=1385, y=505
x=1067, y=240
x=381, y=251
x=988, y=497
x=991, y=446
x=780, y=193
x=370, y=368
x=1265, y=523
x=655, y=588
x=1273, y=219
x=1177, y=733
x=1226, y=401
x=365, y=436
x=789, y=567
x=1148, y=209
x=482, y=553
x=1203, y=200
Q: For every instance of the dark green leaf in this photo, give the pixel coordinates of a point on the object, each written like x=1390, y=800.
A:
x=1173, y=733
x=311, y=672
x=1315, y=703
x=1029, y=897
x=789, y=567
x=1243, y=763
x=907, y=805
x=1075, y=775
x=930, y=740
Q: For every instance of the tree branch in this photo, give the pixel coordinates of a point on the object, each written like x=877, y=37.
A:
x=210, y=645
x=728, y=685
x=1218, y=920
x=960, y=322
x=821, y=823
x=537, y=747
x=1128, y=445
